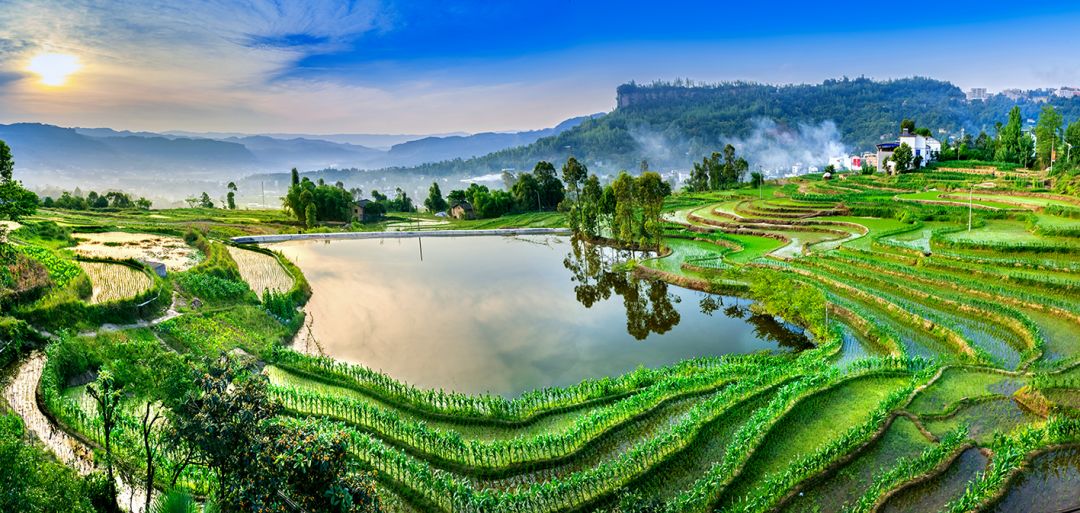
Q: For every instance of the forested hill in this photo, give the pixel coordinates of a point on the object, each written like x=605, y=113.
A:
x=672, y=123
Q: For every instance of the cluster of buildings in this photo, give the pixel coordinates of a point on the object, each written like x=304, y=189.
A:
x=1032, y=95
x=925, y=148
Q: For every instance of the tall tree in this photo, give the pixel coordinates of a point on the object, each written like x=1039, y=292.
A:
x=623, y=222
x=651, y=191
x=1046, y=134
x=435, y=201
x=231, y=197
x=1008, y=149
x=573, y=175
x=7, y=163
x=107, y=394
x=295, y=177
x=1072, y=143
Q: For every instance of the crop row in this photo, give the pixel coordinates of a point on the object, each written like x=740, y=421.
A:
x=987, y=289
x=1013, y=320
x=910, y=311
x=909, y=469
x=767, y=494
x=61, y=270
x=502, y=455
x=442, y=490
x=1007, y=322
x=1009, y=453
x=463, y=407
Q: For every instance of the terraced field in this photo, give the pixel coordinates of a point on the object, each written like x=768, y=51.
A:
x=944, y=375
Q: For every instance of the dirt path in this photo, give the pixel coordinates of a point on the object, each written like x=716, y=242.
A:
x=21, y=394
x=169, y=314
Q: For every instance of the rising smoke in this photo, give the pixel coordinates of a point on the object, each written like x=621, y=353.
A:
x=776, y=149
x=770, y=146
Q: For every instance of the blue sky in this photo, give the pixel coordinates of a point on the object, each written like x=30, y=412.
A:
x=430, y=67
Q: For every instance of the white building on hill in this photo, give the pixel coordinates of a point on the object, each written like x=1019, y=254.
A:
x=921, y=146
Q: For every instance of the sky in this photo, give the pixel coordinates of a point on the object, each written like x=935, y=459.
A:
x=421, y=67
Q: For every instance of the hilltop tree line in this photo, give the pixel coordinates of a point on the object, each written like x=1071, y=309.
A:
x=683, y=118
x=94, y=201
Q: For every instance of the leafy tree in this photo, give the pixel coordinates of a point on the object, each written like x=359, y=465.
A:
x=31, y=479
x=107, y=394
x=205, y=201
x=526, y=192
x=757, y=179
x=222, y=416
x=592, y=195
x=699, y=176
x=1008, y=149
x=1072, y=141
x=574, y=174
x=294, y=176
x=907, y=124
x=902, y=158
x=623, y=222
x=7, y=163
x=262, y=463
x=231, y=197
x=435, y=201
x=311, y=217
x=1046, y=134
x=456, y=196
x=651, y=191
x=551, y=189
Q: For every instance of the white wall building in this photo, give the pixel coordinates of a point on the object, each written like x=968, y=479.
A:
x=921, y=146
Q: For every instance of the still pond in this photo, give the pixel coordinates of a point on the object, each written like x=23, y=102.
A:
x=510, y=314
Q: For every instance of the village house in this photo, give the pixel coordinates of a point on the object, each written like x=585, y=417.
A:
x=462, y=210
x=921, y=146
x=359, y=210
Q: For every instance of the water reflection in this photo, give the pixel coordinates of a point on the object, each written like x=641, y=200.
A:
x=650, y=307
x=498, y=314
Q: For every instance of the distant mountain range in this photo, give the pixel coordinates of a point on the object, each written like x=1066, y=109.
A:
x=50, y=152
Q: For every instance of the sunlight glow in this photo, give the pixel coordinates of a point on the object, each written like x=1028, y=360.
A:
x=54, y=68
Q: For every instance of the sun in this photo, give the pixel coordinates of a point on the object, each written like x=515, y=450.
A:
x=54, y=68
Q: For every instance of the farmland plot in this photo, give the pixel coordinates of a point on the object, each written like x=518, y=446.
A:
x=261, y=271
x=115, y=281
x=171, y=251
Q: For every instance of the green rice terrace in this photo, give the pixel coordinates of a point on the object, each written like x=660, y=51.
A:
x=939, y=368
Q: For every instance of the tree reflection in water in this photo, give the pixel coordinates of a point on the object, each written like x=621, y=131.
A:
x=650, y=307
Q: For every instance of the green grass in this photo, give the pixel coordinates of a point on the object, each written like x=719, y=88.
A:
x=246, y=327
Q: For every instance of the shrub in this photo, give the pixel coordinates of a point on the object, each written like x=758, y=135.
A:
x=209, y=287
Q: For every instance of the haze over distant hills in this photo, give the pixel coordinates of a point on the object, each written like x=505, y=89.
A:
x=48, y=155
x=668, y=124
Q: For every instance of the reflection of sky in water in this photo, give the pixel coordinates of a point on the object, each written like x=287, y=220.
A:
x=487, y=314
